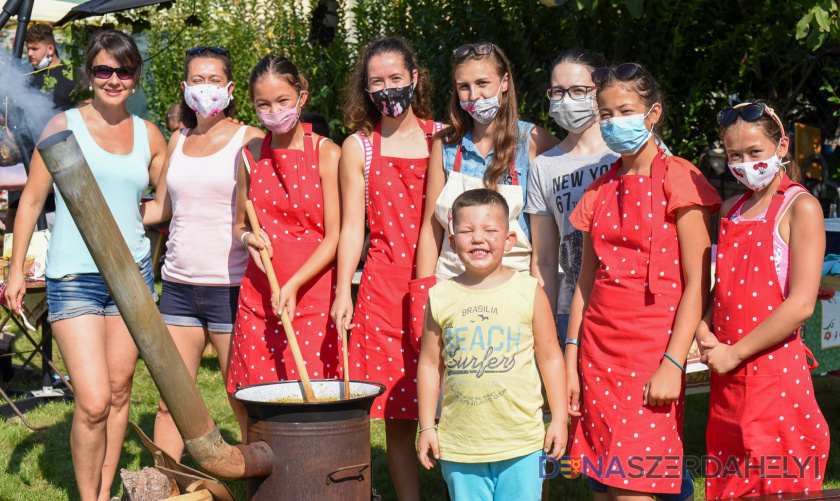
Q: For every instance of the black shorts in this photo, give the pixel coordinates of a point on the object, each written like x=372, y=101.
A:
x=210, y=306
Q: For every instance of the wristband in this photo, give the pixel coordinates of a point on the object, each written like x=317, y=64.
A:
x=242, y=238
x=675, y=362
x=429, y=428
x=573, y=340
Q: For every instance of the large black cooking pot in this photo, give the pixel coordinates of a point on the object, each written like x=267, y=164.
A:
x=321, y=449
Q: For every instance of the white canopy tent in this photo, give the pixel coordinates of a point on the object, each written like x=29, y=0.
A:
x=50, y=11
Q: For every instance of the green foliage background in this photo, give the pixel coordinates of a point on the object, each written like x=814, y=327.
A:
x=700, y=50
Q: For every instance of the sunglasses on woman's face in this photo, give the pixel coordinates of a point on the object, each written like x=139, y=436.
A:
x=480, y=49
x=199, y=50
x=623, y=71
x=104, y=72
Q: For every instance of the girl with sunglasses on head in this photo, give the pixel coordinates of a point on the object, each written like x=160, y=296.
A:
x=486, y=146
x=291, y=177
x=383, y=176
x=641, y=292
x=125, y=154
x=762, y=401
x=558, y=178
x=197, y=190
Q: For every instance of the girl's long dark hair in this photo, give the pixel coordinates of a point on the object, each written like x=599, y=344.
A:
x=359, y=111
x=506, y=129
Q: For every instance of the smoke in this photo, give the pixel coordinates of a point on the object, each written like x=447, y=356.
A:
x=29, y=109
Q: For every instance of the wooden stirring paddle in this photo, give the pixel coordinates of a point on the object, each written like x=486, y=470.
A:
x=284, y=317
x=346, y=363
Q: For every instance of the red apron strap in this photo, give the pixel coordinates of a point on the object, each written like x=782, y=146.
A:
x=249, y=160
x=376, y=140
x=737, y=206
x=514, y=177
x=429, y=129
x=657, y=260
x=775, y=204
x=808, y=354
x=308, y=145
x=265, y=152
x=265, y=148
x=778, y=199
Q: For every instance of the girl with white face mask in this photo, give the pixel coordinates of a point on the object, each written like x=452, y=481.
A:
x=767, y=278
x=559, y=177
x=643, y=282
x=291, y=177
x=196, y=190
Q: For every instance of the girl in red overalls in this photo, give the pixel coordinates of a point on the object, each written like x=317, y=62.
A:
x=762, y=410
x=291, y=177
x=641, y=293
x=383, y=177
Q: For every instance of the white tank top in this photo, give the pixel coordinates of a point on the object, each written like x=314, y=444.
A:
x=201, y=249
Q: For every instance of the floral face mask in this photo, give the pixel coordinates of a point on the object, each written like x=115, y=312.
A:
x=207, y=100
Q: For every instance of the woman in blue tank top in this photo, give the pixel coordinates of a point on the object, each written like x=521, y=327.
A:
x=124, y=153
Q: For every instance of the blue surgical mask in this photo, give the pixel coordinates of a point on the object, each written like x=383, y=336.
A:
x=626, y=135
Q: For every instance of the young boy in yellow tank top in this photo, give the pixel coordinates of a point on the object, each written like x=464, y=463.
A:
x=481, y=332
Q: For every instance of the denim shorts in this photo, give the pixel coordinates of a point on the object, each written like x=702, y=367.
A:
x=86, y=294
x=686, y=488
x=210, y=306
x=561, y=322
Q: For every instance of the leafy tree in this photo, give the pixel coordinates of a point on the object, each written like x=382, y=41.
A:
x=700, y=50
x=250, y=30
x=820, y=24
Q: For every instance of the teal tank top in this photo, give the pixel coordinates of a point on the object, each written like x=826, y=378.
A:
x=122, y=180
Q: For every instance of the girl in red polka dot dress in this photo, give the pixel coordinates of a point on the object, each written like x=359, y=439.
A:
x=641, y=292
x=762, y=410
x=292, y=179
x=383, y=180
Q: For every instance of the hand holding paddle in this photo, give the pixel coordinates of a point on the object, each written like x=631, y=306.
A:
x=284, y=317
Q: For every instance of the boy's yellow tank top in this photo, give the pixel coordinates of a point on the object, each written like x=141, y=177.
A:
x=492, y=404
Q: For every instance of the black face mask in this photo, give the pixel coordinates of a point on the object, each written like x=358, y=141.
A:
x=393, y=102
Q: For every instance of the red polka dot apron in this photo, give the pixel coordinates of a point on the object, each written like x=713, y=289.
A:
x=626, y=329
x=287, y=196
x=381, y=350
x=764, y=411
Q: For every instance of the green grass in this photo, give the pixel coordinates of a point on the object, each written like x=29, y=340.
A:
x=36, y=466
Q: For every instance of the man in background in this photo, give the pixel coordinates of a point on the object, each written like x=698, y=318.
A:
x=47, y=76
x=43, y=56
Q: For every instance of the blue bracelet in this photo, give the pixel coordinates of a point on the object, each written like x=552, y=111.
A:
x=675, y=362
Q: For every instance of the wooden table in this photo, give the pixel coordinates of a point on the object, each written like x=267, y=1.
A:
x=35, y=308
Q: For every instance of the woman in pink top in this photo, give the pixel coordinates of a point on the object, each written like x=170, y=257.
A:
x=197, y=188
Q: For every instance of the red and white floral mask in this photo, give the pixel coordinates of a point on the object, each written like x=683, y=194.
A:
x=757, y=175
